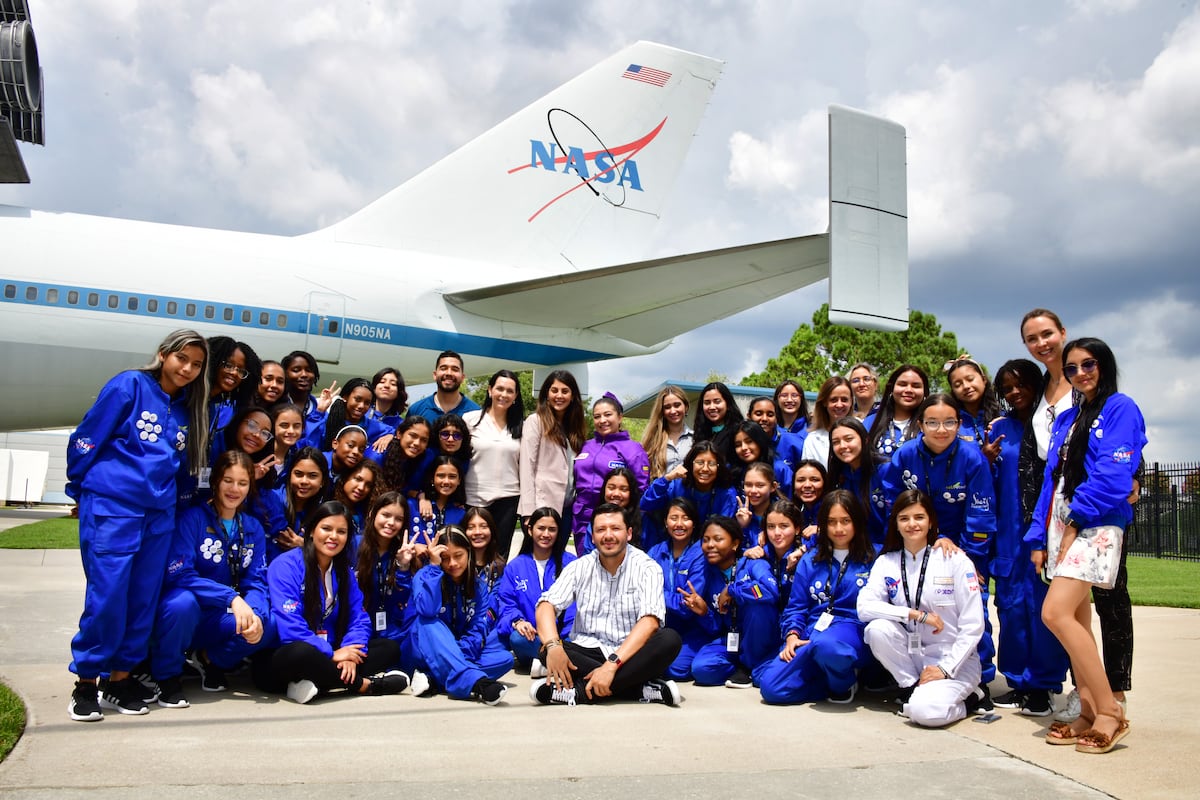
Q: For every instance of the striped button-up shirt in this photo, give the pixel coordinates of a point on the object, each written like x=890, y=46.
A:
x=607, y=606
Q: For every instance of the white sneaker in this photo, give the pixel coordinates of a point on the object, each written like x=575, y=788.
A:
x=537, y=669
x=419, y=683
x=1071, y=708
x=301, y=691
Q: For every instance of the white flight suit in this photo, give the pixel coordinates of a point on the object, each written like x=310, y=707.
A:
x=951, y=590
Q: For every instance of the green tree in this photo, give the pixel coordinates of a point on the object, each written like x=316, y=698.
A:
x=822, y=349
x=476, y=389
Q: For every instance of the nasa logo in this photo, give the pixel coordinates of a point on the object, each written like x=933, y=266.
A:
x=615, y=165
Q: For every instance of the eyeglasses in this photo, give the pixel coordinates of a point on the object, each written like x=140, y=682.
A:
x=861, y=380
x=450, y=436
x=254, y=429
x=241, y=372
x=1088, y=365
x=938, y=425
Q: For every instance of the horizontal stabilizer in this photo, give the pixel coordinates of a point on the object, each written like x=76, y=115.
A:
x=652, y=301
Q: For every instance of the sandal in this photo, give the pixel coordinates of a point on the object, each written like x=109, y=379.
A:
x=1061, y=733
x=1096, y=742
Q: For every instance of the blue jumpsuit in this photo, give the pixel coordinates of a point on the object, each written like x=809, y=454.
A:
x=516, y=599
x=661, y=492
x=876, y=503
x=455, y=643
x=285, y=577
x=209, y=565
x=789, y=448
x=959, y=481
x=1029, y=656
x=391, y=592
x=123, y=462
x=826, y=664
x=754, y=616
x=695, y=630
x=424, y=529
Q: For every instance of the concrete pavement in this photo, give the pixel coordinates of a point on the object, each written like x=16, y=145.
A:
x=718, y=743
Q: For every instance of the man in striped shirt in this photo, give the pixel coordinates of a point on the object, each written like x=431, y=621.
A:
x=619, y=644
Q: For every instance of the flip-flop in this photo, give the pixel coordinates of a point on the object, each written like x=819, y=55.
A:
x=1101, y=742
x=1060, y=733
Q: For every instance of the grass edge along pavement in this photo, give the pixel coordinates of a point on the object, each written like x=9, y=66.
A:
x=1152, y=582
x=12, y=720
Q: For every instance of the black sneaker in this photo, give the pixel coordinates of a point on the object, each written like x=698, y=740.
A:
x=845, y=697
x=490, y=692
x=543, y=692
x=85, y=703
x=1037, y=704
x=740, y=679
x=1014, y=698
x=150, y=687
x=391, y=682
x=170, y=693
x=979, y=701
x=212, y=677
x=660, y=691
x=124, y=695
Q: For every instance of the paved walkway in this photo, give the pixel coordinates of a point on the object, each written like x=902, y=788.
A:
x=719, y=743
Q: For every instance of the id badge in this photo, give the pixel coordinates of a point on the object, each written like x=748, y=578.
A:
x=732, y=641
x=823, y=621
x=202, y=478
x=380, y=621
x=914, y=641
x=323, y=636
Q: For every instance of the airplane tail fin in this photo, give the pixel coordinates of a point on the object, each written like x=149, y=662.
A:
x=575, y=180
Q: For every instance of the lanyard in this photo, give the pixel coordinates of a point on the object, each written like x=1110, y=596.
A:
x=381, y=580
x=920, y=578
x=236, y=542
x=832, y=585
x=928, y=464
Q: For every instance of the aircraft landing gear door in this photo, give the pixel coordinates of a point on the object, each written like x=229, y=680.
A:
x=325, y=325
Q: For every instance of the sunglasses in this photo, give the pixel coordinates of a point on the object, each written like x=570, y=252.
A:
x=451, y=436
x=1088, y=365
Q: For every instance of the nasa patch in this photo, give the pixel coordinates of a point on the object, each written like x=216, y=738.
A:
x=1123, y=455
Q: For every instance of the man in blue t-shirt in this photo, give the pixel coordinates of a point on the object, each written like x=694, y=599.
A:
x=448, y=375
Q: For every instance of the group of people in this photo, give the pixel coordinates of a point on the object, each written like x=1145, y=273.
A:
x=234, y=516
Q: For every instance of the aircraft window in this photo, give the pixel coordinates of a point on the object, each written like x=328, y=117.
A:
x=190, y=310
x=264, y=318
x=227, y=314
x=333, y=326
x=132, y=304
x=172, y=307
x=31, y=293
x=10, y=291
x=73, y=297
x=281, y=321
x=113, y=301
x=93, y=299
x=152, y=305
x=52, y=295
x=246, y=316
x=209, y=312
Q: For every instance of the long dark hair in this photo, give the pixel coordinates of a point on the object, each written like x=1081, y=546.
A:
x=455, y=423
x=400, y=404
x=723, y=480
x=801, y=413
x=893, y=541
x=514, y=418
x=452, y=535
x=220, y=350
x=368, y=546
x=886, y=414
x=459, y=495
x=230, y=431
x=868, y=461
x=560, y=541
x=398, y=468
x=572, y=430
x=1073, y=468
x=861, y=551
x=989, y=403
x=335, y=418
x=314, y=612
x=491, y=552
x=317, y=457
x=733, y=415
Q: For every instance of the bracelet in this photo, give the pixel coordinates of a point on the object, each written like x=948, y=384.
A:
x=552, y=643
x=945, y=674
x=924, y=616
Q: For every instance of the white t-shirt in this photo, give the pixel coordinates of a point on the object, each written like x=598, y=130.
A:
x=496, y=464
x=1043, y=420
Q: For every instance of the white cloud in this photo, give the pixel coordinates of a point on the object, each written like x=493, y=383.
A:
x=1103, y=8
x=1144, y=129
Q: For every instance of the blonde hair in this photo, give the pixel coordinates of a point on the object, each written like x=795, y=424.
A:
x=197, y=394
x=654, y=439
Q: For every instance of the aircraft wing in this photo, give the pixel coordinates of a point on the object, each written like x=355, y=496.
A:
x=630, y=301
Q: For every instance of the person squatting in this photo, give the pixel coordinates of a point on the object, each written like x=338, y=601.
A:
x=340, y=541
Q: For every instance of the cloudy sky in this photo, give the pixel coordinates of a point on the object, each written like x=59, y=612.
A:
x=1053, y=147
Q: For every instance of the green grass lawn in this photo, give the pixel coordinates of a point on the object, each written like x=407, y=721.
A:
x=12, y=720
x=50, y=534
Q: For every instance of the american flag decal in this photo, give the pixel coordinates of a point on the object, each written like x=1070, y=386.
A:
x=655, y=77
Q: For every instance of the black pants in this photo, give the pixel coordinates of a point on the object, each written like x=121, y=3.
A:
x=1115, y=611
x=651, y=661
x=504, y=512
x=300, y=661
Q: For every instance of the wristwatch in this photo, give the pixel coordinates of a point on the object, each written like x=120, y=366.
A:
x=615, y=659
